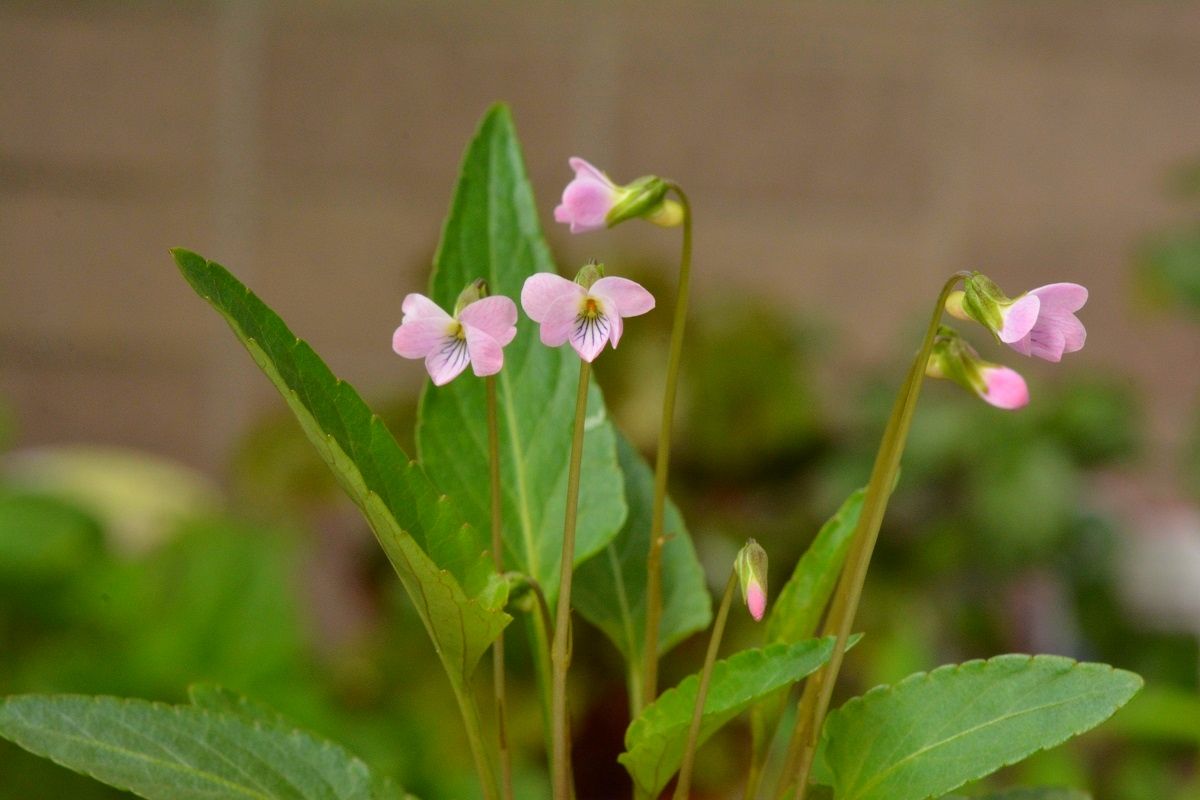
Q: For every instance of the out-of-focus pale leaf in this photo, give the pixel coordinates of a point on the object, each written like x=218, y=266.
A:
x=493, y=233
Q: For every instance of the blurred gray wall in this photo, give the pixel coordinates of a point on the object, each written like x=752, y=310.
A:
x=842, y=159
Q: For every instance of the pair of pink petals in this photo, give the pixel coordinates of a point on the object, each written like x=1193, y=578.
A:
x=587, y=318
x=1042, y=323
x=476, y=336
x=587, y=199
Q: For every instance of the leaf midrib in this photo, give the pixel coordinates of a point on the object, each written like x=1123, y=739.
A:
x=133, y=754
x=942, y=742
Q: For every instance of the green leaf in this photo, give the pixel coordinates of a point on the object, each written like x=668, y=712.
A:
x=493, y=233
x=212, y=697
x=180, y=752
x=1026, y=794
x=655, y=741
x=797, y=610
x=610, y=589
x=933, y=732
x=435, y=553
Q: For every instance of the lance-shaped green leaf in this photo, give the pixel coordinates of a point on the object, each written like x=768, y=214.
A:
x=933, y=732
x=163, y=752
x=610, y=588
x=796, y=611
x=435, y=553
x=655, y=741
x=493, y=233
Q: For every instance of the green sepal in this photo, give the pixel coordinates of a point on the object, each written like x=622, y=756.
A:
x=641, y=198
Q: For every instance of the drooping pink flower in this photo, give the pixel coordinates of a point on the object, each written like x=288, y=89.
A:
x=1052, y=329
x=476, y=335
x=1003, y=387
x=587, y=199
x=586, y=317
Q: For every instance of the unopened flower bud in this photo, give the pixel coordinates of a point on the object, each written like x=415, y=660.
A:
x=589, y=274
x=476, y=290
x=953, y=359
x=751, y=568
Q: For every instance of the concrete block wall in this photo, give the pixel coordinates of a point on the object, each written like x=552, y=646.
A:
x=842, y=158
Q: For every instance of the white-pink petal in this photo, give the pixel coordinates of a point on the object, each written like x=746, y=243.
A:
x=496, y=316
x=1019, y=318
x=584, y=169
x=415, y=338
x=1065, y=296
x=756, y=601
x=446, y=361
x=627, y=298
x=558, y=323
x=487, y=354
x=589, y=335
x=544, y=290
x=418, y=306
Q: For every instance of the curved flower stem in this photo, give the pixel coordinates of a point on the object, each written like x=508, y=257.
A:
x=498, y=682
x=684, y=784
x=814, y=702
x=649, y=687
x=560, y=657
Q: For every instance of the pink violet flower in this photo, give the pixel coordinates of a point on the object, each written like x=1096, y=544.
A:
x=1003, y=388
x=588, y=317
x=475, y=335
x=587, y=199
x=1053, y=329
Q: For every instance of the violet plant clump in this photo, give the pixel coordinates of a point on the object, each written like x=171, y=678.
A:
x=526, y=503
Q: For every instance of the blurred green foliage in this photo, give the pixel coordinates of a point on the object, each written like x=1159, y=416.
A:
x=993, y=543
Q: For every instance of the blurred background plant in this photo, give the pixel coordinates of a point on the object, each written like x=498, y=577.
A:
x=123, y=573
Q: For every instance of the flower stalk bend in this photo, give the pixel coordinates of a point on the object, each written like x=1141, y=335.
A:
x=818, y=689
x=498, y=676
x=649, y=683
x=560, y=656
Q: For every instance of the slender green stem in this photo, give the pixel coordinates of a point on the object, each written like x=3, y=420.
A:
x=814, y=702
x=470, y=715
x=684, y=785
x=649, y=687
x=560, y=657
x=498, y=681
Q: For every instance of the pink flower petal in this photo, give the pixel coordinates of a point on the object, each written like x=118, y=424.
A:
x=756, y=601
x=415, y=338
x=1020, y=318
x=544, y=290
x=618, y=327
x=590, y=334
x=627, y=297
x=587, y=199
x=1062, y=296
x=583, y=169
x=418, y=306
x=496, y=316
x=487, y=354
x=447, y=360
x=559, y=321
x=1005, y=388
